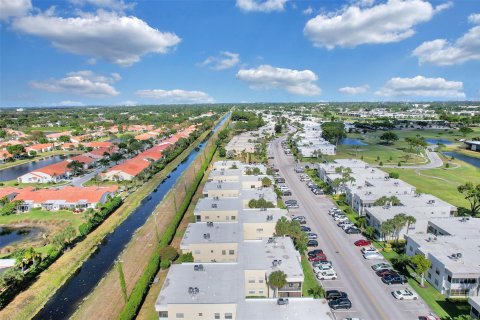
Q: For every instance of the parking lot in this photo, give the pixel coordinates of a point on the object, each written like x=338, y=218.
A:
x=370, y=297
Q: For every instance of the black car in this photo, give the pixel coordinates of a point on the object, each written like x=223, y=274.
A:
x=315, y=252
x=334, y=295
x=305, y=229
x=394, y=279
x=342, y=303
x=287, y=193
x=312, y=243
x=291, y=201
x=353, y=231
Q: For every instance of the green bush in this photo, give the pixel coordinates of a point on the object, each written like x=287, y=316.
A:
x=185, y=257
x=165, y=264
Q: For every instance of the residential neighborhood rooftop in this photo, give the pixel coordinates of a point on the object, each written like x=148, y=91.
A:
x=212, y=232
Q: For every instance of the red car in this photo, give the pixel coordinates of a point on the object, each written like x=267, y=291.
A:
x=382, y=273
x=362, y=243
x=318, y=257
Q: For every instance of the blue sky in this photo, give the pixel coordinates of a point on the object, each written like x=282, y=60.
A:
x=109, y=52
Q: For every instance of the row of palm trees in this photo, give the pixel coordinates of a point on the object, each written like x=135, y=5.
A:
x=391, y=228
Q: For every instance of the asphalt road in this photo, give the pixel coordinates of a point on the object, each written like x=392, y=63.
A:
x=371, y=299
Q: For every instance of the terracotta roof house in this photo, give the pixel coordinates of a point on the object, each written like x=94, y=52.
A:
x=99, y=144
x=41, y=147
x=99, y=153
x=64, y=198
x=56, y=135
x=85, y=159
x=5, y=155
x=69, y=146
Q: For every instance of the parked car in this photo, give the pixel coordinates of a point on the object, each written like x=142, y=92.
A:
x=312, y=235
x=323, y=267
x=317, y=191
x=287, y=193
x=327, y=275
x=385, y=272
x=394, y=279
x=291, y=201
x=369, y=249
x=305, y=229
x=282, y=301
x=298, y=218
x=373, y=256
x=318, y=257
x=293, y=206
x=362, y=243
x=314, y=252
x=343, y=303
x=340, y=218
x=380, y=266
x=334, y=295
x=312, y=243
x=353, y=231
x=431, y=316
x=348, y=225
x=405, y=294
x=321, y=263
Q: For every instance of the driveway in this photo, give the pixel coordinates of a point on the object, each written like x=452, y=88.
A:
x=371, y=299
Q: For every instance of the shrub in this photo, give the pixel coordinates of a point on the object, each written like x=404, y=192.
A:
x=185, y=257
x=394, y=175
x=165, y=264
x=168, y=253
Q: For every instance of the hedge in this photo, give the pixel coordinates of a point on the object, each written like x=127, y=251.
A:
x=140, y=290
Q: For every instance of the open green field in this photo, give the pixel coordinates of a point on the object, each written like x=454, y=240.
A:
x=44, y=215
x=442, y=182
x=51, y=129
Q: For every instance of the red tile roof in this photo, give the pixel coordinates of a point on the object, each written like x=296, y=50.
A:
x=82, y=158
x=55, y=169
x=40, y=146
x=99, y=144
x=69, y=194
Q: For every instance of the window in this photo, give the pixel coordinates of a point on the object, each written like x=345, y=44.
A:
x=234, y=218
x=429, y=275
x=436, y=282
x=228, y=316
x=211, y=251
x=217, y=315
x=449, y=278
x=224, y=252
x=163, y=314
x=179, y=316
x=251, y=281
x=200, y=314
x=197, y=251
x=459, y=292
x=260, y=291
x=231, y=252
x=207, y=217
x=437, y=272
x=260, y=230
x=252, y=186
x=251, y=292
x=260, y=281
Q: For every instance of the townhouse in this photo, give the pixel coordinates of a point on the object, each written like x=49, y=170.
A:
x=40, y=148
x=310, y=143
x=70, y=198
x=235, y=251
x=452, y=247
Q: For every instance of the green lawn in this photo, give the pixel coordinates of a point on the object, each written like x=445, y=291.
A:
x=442, y=182
x=310, y=281
x=43, y=215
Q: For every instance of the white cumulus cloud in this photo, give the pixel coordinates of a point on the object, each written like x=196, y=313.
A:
x=354, y=25
x=118, y=5
x=261, y=5
x=14, y=8
x=354, y=90
x=308, y=11
x=223, y=61
x=293, y=81
x=420, y=86
x=118, y=39
x=176, y=96
x=82, y=83
x=441, y=52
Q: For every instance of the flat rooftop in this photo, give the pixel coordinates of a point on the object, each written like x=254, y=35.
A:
x=218, y=283
x=218, y=185
x=373, y=193
x=458, y=226
x=444, y=247
x=218, y=232
x=266, y=193
x=227, y=164
x=221, y=204
x=257, y=215
x=261, y=254
x=423, y=200
x=387, y=183
x=384, y=213
x=297, y=308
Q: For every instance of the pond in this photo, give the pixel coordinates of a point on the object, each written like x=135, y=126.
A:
x=352, y=142
x=463, y=157
x=437, y=141
x=9, y=235
x=17, y=171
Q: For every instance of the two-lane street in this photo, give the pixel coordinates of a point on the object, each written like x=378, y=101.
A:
x=371, y=299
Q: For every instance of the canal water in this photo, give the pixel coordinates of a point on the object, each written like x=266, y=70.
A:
x=463, y=157
x=9, y=235
x=66, y=300
x=17, y=171
x=437, y=141
x=352, y=142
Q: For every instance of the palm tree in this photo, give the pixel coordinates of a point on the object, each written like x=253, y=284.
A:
x=399, y=221
x=362, y=222
x=386, y=228
x=277, y=280
x=410, y=220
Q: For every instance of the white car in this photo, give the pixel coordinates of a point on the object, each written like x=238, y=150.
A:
x=321, y=263
x=369, y=250
x=373, y=256
x=341, y=218
x=380, y=266
x=405, y=294
x=347, y=226
x=323, y=267
x=327, y=275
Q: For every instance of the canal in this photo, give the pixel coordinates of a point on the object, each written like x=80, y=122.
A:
x=66, y=300
x=17, y=171
x=463, y=157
